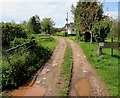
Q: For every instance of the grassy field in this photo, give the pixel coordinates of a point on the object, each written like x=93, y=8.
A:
x=106, y=65
x=65, y=74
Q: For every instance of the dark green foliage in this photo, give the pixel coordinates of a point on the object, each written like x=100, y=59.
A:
x=18, y=41
x=101, y=30
x=115, y=31
x=34, y=24
x=10, y=31
x=25, y=64
x=47, y=25
x=86, y=14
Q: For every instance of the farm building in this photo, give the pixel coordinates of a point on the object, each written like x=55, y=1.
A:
x=69, y=28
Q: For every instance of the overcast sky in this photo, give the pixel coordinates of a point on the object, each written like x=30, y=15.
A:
x=20, y=10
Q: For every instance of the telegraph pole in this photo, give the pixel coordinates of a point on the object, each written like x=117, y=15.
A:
x=67, y=18
x=67, y=22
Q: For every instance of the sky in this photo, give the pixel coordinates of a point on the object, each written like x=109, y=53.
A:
x=20, y=10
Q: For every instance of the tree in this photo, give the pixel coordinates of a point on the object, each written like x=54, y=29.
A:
x=34, y=24
x=102, y=29
x=10, y=31
x=86, y=14
x=47, y=25
x=115, y=31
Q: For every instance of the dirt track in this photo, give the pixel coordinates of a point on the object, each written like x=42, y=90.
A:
x=84, y=80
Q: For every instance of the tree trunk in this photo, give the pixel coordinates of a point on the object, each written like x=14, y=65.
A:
x=91, y=39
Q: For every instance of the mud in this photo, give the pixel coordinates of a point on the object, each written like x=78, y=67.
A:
x=29, y=91
x=83, y=87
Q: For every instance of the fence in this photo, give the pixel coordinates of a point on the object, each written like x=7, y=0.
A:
x=112, y=45
x=25, y=46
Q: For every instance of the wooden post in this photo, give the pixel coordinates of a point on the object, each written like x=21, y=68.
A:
x=111, y=48
x=99, y=50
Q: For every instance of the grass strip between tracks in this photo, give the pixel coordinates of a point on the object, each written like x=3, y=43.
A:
x=66, y=72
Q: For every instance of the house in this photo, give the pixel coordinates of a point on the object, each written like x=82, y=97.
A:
x=69, y=28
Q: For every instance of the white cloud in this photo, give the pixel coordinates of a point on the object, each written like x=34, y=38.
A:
x=19, y=11
x=113, y=14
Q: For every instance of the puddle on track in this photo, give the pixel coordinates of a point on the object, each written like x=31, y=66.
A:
x=29, y=91
x=83, y=88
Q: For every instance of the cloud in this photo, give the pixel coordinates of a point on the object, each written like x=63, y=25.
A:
x=113, y=14
x=19, y=11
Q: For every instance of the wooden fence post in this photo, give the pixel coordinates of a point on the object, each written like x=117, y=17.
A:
x=99, y=50
x=111, y=48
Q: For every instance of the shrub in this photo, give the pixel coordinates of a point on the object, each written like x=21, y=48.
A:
x=101, y=30
x=10, y=31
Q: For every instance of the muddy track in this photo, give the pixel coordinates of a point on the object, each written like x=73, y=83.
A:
x=45, y=82
x=84, y=79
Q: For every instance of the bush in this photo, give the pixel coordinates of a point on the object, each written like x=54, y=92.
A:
x=10, y=31
x=101, y=30
x=24, y=65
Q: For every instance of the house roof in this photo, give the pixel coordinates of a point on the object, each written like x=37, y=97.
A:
x=69, y=25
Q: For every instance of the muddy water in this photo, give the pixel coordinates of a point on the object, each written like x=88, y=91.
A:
x=29, y=91
x=82, y=87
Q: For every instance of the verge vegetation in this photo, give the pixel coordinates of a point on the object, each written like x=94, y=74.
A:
x=106, y=65
x=24, y=65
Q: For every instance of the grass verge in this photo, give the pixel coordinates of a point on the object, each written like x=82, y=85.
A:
x=66, y=72
x=106, y=65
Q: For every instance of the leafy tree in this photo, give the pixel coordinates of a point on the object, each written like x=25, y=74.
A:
x=114, y=29
x=34, y=24
x=86, y=14
x=102, y=29
x=47, y=25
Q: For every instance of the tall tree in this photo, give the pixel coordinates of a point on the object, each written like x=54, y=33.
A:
x=86, y=14
x=34, y=24
x=47, y=25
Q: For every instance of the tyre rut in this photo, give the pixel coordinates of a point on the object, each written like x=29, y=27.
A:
x=84, y=81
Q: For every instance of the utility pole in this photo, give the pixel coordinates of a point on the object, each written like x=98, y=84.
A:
x=67, y=18
x=67, y=22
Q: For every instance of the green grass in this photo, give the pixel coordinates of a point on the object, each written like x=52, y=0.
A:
x=106, y=65
x=114, y=40
x=65, y=74
x=49, y=44
x=71, y=37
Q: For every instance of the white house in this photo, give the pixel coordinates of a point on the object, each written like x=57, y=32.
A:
x=70, y=29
